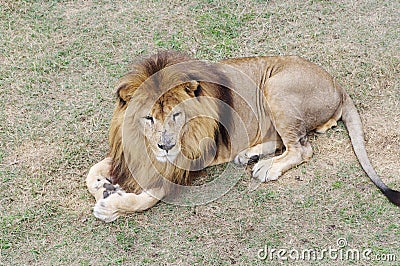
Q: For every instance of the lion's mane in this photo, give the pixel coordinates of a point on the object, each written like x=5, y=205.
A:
x=134, y=154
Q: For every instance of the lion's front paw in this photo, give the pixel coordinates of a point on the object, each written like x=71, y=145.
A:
x=244, y=158
x=98, y=187
x=111, y=189
x=264, y=171
x=106, y=209
x=101, y=181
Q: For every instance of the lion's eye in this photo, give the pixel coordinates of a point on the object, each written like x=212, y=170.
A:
x=174, y=116
x=150, y=118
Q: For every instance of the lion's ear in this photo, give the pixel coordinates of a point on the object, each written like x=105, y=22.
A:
x=126, y=88
x=122, y=92
x=193, y=88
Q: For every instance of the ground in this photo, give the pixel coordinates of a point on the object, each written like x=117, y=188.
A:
x=59, y=63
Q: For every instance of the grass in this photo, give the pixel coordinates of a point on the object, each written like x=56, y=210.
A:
x=59, y=62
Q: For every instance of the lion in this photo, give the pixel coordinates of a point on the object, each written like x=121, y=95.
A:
x=175, y=115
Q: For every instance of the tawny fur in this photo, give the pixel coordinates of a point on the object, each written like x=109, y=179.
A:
x=277, y=101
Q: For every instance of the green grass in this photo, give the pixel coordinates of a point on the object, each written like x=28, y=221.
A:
x=59, y=63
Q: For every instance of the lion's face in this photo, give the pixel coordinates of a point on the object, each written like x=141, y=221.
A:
x=164, y=126
x=163, y=133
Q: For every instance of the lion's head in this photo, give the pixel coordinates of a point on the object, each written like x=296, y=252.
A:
x=169, y=119
x=167, y=128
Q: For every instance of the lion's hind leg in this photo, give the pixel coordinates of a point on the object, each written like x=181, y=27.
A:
x=323, y=128
x=273, y=168
x=330, y=123
x=258, y=151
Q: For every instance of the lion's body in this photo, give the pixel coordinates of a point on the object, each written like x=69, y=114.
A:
x=281, y=91
x=264, y=104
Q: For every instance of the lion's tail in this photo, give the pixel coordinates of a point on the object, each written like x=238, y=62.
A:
x=353, y=123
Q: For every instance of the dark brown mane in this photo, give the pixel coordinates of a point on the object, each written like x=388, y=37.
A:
x=145, y=68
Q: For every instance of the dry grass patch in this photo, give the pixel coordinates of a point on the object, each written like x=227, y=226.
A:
x=59, y=64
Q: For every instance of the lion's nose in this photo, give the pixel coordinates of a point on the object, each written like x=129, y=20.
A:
x=166, y=147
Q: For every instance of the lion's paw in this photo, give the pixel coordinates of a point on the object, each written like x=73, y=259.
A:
x=101, y=181
x=111, y=189
x=245, y=157
x=264, y=171
x=106, y=209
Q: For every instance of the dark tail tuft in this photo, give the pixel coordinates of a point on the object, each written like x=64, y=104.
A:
x=393, y=196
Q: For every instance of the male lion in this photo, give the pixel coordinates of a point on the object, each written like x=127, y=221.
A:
x=175, y=115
